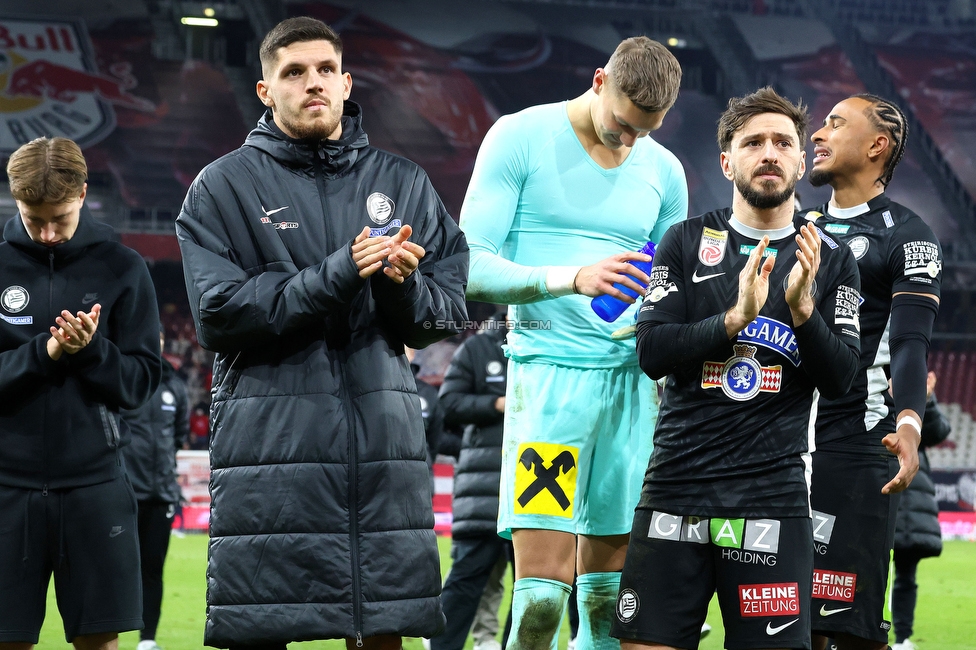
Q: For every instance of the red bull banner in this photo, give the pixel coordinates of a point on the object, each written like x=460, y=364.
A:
x=50, y=84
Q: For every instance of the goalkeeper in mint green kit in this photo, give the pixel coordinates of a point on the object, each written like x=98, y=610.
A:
x=562, y=196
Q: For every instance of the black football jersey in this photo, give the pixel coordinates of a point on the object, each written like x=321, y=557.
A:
x=733, y=433
x=895, y=252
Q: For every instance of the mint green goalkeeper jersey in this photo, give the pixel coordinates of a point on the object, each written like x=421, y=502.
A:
x=537, y=199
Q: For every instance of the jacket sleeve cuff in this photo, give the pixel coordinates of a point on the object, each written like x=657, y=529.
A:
x=44, y=360
x=89, y=356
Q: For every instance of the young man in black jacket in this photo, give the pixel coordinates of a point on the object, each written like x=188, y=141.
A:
x=78, y=342
x=311, y=259
x=158, y=428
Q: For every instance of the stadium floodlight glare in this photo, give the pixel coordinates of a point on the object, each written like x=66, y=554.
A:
x=677, y=42
x=209, y=12
x=194, y=21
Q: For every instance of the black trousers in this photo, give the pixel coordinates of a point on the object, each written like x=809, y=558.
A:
x=155, y=526
x=474, y=559
x=904, y=594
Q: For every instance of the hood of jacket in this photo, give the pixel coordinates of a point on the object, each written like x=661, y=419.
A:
x=89, y=233
x=337, y=156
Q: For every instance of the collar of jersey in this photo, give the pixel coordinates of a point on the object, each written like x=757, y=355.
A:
x=848, y=213
x=755, y=233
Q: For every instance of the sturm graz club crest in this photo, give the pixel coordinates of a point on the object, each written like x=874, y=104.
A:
x=51, y=86
x=379, y=207
x=741, y=377
x=627, y=605
x=14, y=299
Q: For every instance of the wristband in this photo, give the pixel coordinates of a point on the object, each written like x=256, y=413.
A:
x=909, y=420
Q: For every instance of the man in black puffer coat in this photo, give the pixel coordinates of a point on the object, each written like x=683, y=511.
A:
x=473, y=396
x=917, y=531
x=311, y=259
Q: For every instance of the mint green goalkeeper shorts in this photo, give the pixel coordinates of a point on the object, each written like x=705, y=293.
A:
x=577, y=442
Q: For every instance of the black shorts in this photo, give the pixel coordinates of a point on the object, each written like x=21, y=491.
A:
x=761, y=569
x=88, y=537
x=853, y=532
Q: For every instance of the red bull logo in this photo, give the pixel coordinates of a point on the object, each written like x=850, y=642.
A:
x=50, y=85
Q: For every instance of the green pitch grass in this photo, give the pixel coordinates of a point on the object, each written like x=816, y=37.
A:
x=944, y=618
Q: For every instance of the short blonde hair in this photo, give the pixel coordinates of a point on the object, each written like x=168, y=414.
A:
x=646, y=73
x=47, y=170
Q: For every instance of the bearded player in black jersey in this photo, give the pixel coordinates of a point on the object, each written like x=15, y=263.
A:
x=855, y=479
x=749, y=312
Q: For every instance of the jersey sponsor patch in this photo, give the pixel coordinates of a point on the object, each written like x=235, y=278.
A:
x=379, y=232
x=18, y=320
x=837, y=228
x=770, y=599
x=774, y=335
x=848, y=300
x=759, y=535
x=545, y=479
x=922, y=257
x=741, y=377
x=827, y=240
x=746, y=249
x=711, y=248
x=859, y=246
x=834, y=585
x=889, y=222
x=14, y=299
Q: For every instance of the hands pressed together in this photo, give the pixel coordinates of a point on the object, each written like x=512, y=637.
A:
x=73, y=332
x=402, y=255
x=754, y=282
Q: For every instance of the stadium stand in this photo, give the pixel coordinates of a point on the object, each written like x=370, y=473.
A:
x=431, y=88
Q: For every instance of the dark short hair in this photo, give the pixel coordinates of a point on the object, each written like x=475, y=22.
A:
x=764, y=100
x=887, y=118
x=646, y=73
x=295, y=30
x=47, y=170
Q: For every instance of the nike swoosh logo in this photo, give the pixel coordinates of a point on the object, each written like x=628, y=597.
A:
x=770, y=630
x=830, y=612
x=88, y=301
x=271, y=212
x=701, y=278
x=116, y=533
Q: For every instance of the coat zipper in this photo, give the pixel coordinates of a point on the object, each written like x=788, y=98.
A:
x=357, y=613
x=47, y=398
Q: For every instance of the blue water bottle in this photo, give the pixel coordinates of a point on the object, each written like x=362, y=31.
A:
x=609, y=308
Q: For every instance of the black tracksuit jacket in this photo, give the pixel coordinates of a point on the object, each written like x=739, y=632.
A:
x=59, y=420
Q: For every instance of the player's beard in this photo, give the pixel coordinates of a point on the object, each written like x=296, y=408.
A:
x=766, y=196
x=820, y=177
x=317, y=128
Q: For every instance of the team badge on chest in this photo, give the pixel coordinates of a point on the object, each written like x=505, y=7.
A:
x=741, y=377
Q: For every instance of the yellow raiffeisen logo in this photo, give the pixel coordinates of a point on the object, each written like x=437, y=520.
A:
x=50, y=85
x=545, y=479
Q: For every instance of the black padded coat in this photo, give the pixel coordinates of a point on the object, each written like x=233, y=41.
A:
x=321, y=519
